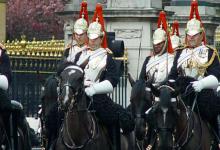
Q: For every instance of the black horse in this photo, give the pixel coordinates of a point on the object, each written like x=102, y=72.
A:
x=50, y=117
x=16, y=121
x=141, y=100
x=176, y=125
x=80, y=129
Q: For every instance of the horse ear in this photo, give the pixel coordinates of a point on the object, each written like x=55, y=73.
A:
x=131, y=80
x=155, y=90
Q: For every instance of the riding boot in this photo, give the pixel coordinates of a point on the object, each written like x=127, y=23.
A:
x=6, y=120
x=218, y=125
x=116, y=138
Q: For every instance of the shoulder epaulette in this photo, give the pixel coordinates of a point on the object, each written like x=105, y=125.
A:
x=180, y=48
x=215, y=51
x=212, y=48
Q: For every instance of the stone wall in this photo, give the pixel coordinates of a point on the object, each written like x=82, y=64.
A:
x=2, y=20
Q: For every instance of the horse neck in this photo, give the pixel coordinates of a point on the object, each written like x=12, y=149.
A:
x=78, y=123
x=184, y=118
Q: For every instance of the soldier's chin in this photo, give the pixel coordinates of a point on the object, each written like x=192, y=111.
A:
x=157, y=51
x=192, y=44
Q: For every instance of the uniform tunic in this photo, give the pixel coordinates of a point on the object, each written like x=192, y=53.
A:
x=199, y=63
x=5, y=69
x=100, y=66
x=157, y=67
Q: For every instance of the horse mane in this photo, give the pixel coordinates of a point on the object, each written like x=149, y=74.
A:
x=51, y=86
x=63, y=65
x=138, y=89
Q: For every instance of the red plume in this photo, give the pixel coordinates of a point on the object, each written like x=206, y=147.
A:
x=99, y=14
x=194, y=11
x=162, y=21
x=175, y=28
x=84, y=11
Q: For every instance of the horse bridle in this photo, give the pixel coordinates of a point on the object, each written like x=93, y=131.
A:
x=73, y=146
x=74, y=97
x=73, y=103
x=189, y=115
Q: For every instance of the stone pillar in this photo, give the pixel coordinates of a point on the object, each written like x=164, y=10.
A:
x=2, y=20
x=134, y=23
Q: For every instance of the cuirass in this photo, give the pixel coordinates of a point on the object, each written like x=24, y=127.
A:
x=96, y=64
x=158, y=67
x=192, y=61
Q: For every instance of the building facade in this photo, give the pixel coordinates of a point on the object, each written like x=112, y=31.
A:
x=135, y=21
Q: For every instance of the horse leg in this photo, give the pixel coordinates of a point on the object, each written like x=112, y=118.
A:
x=128, y=141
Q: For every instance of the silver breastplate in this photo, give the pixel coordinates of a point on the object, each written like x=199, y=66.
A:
x=192, y=61
x=97, y=63
x=158, y=67
x=73, y=52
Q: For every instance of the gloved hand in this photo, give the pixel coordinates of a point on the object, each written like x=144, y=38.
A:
x=197, y=86
x=3, y=82
x=209, y=82
x=99, y=88
x=90, y=91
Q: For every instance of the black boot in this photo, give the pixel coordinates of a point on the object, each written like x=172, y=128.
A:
x=7, y=125
x=218, y=125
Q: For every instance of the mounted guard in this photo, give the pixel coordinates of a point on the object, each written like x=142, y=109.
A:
x=201, y=62
x=158, y=65
x=101, y=77
x=5, y=80
x=175, y=37
x=79, y=39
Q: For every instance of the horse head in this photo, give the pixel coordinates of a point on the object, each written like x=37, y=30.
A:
x=71, y=86
x=141, y=100
x=164, y=114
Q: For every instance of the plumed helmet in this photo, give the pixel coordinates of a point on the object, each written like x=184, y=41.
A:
x=81, y=24
x=97, y=28
x=175, y=39
x=161, y=33
x=194, y=25
x=159, y=36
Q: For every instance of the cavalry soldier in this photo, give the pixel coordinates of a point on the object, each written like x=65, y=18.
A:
x=158, y=65
x=101, y=76
x=175, y=39
x=80, y=38
x=5, y=80
x=201, y=62
x=78, y=45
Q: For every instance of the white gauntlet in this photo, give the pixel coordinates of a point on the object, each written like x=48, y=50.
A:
x=99, y=88
x=3, y=82
x=209, y=82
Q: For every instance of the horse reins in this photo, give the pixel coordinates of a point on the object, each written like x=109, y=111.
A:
x=91, y=137
x=189, y=115
x=73, y=146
